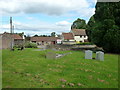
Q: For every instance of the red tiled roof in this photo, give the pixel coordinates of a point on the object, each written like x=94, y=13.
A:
x=16, y=36
x=79, y=31
x=39, y=39
x=68, y=36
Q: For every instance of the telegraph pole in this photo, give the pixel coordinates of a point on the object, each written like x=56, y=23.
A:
x=11, y=25
x=11, y=32
x=13, y=29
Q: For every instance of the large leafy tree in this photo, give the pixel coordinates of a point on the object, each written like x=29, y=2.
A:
x=79, y=24
x=53, y=34
x=89, y=27
x=103, y=28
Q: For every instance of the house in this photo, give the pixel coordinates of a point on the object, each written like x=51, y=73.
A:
x=67, y=38
x=79, y=35
x=44, y=40
x=18, y=40
x=59, y=41
x=7, y=40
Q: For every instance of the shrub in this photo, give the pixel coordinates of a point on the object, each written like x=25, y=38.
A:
x=30, y=45
x=18, y=46
x=85, y=43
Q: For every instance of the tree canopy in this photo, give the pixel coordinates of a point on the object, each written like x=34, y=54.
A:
x=79, y=24
x=103, y=28
x=53, y=34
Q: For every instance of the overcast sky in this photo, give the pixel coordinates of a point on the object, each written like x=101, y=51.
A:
x=43, y=16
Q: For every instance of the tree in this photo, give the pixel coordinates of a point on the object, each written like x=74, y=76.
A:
x=103, y=28
x=79, y=24
x=89, y=28
x=21, y=34
x=27, y=38
x=43, y=35
x=53, y=34
x=36, y=35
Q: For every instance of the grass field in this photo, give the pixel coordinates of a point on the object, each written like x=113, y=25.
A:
x=30, y=69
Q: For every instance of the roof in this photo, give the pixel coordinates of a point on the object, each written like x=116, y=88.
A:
x=78, y=32
x=15, y=36
x=68, y=36
x=39, y=39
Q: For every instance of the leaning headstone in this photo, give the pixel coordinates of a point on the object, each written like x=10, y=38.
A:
x=100, y=56
x=51, y=55
x=88, y=54
x=54, y=49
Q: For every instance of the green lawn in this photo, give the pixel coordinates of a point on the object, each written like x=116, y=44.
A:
x=30, y=69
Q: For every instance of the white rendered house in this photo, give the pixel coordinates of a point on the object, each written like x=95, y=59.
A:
x=79, y=35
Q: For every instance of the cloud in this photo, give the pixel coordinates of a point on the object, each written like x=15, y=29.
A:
x=32, y=29
x=49, y=7
x=63, y=23
x=63, y=9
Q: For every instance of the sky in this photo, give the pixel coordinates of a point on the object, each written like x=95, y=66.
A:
x=42, y=17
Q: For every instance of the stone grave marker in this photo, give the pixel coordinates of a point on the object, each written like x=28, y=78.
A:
x=88, y=54
x=54, y=49
x=51, y=55
x=100, y=56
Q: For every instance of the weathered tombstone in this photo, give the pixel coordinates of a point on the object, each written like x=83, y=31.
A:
x=54, y=49
x=88, y=54
x=100, y=56
x=51, y=55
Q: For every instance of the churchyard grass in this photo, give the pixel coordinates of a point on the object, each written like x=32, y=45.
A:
x=30, y=69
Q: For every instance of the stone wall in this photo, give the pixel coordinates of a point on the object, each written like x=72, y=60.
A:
x=18, y=42
x=6, y=41
x=62, y=47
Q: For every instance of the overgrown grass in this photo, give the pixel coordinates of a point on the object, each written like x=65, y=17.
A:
x=30, y=69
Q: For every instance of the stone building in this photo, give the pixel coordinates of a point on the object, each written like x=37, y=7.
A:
x=7, y=40
x=44, y=40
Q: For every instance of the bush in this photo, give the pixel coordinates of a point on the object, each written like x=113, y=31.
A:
x=18, y=46
x=30, y=45
x=85, y=43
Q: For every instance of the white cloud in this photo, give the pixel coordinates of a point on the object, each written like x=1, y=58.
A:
x=32, y=29
x=63, y=8
x=63, y=23
x=50, y=7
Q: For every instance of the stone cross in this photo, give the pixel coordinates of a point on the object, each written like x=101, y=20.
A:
x=100, y=56
x=51, y=55
x=88, y=54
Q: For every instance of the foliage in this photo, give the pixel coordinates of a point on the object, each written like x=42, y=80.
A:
x=18, y=46
x=44, y=36
x=30, y=45
x=27, y=38
x=103, y=28
x=79, y=24
x=30, y=69
x=53, y=34
x=85, y=43
x=89, y=28
x=36, y=35
x=21, y=34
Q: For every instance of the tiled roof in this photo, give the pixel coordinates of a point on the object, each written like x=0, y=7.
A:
x=68, y=36
x=39, y=39
x=79, y=31
x=15, y=36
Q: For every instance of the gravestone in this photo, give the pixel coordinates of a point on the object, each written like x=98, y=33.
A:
x=88, y=54
x=51, y=55
x=100, y=56
x=54, y=49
